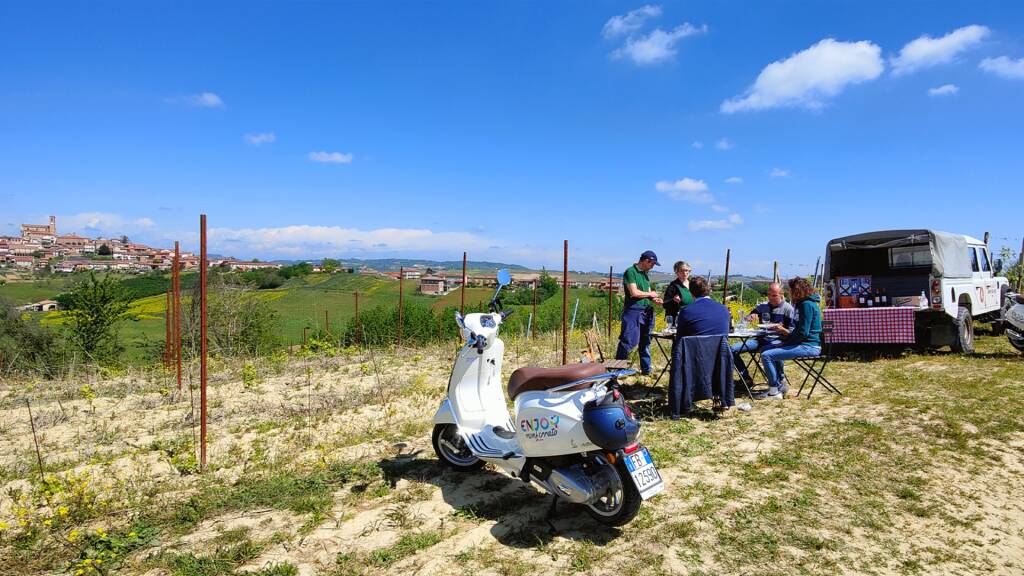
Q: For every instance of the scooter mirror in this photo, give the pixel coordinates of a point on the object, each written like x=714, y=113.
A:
x=504, y=278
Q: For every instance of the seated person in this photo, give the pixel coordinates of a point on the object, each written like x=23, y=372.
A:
x=803, y=341
x=677, y=294
x=703, y=317
x=778, y=311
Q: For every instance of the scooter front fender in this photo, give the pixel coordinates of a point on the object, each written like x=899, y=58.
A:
x=444, y=414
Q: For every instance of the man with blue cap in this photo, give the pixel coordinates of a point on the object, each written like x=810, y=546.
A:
x=638, y=312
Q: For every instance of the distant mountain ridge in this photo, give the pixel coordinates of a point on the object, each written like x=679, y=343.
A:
x=393, y=264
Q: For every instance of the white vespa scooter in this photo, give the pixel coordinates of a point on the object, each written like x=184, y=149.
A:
x=572, y=433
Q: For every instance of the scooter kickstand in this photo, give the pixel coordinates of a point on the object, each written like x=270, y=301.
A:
x=551, y=514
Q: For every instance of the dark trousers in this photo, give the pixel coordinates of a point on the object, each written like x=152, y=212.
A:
x=637, y=322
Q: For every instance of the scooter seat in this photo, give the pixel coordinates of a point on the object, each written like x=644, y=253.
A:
x=533, y=378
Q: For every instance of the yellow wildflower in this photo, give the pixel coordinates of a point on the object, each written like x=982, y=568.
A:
x=79, y=572
x=99, y=561
x=101, y=532
x=47, y=522
x=63, y=510
x=73, y=535
x=4, y=526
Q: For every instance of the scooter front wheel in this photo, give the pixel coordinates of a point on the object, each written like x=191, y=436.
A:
x=620, y=503
x=452, y=450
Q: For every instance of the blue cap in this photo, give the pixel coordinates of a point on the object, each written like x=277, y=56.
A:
x=650, y=255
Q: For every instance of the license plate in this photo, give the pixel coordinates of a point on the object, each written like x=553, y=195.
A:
x=644, y=473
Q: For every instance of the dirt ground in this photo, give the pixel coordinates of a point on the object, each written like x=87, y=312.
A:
x=323, y=466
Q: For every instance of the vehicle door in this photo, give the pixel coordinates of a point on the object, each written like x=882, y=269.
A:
x=986, y=289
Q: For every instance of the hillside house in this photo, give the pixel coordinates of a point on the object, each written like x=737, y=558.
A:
x=434, y=285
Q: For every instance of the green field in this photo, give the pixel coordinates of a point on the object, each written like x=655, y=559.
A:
x=33, y=291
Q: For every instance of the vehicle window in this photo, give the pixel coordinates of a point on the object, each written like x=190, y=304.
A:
x=974, y=259
x=910, y=256
x=983, y=257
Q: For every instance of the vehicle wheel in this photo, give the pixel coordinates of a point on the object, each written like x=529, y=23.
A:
x=621, y=503
x=1018, y=344
x=963, y=342
x=451, y=449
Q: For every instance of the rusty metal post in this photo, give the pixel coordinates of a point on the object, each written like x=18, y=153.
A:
x=609, y=302
x=533, y=324
x=565, y=302
x=462, y=302
x=401, y=273
x=725, y=281
x=176, y=281
x=305, y=333
x=203, y=351
x=167, y=329
x=359, y=329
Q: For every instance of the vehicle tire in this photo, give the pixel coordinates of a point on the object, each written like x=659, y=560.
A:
x=963, y=340
x=451, y=449
x=1018, y=344
x=621, y=504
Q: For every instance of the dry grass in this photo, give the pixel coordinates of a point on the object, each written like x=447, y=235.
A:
x=323, y=466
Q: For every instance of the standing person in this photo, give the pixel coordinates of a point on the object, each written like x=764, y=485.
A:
x=638, y=313
x=775, y=311
x=678, y=292
x=803, y=340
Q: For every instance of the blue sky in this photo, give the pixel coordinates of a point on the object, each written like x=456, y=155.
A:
x=373, y=129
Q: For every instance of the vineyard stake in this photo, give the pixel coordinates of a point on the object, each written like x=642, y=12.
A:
x=462, y=297
x=401, y=273
x=35, y=439
x=202, y=342
x=533, y=314
x=609, y=302
x=176, y=282
x=359, y=331
x=565, y=301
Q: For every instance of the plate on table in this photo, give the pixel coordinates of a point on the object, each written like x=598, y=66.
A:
x=765, y=326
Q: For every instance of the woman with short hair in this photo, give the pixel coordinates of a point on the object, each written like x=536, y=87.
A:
x=803, y=341
x=677, y=294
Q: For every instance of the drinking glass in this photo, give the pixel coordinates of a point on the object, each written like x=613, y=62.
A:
x=766, y=318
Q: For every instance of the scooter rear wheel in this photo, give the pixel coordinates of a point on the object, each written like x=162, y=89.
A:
x=452, y=450
x=620, y=504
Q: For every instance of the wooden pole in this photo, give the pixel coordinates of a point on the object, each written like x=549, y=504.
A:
x=775, y=271
x=176, y=281
x=610, y=302
x=725, y=281
x=565, y=302
x=35, y=439
x=359, y=330
x=817, y=264
x=533, y=323
x=401, y=273
x=327, y=322
x=1020, y=268
x=202, y=342
x=462, y=297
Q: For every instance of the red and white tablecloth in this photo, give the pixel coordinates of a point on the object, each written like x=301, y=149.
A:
x=872, y=325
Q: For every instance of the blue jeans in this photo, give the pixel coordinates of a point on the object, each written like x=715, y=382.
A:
x=636, y=330
x=752, y=345
x=772, y=358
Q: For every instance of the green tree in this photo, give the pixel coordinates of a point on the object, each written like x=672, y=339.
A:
x=104, y=250
x=98, y=304
x=330, y=264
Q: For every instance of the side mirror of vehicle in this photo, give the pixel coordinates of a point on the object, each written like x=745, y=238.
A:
x=998, y=266
x=504, y=277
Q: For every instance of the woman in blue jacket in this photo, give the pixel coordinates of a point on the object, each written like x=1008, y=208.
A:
x=804, y=340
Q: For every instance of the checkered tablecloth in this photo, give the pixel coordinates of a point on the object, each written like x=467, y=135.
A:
x=872, y=325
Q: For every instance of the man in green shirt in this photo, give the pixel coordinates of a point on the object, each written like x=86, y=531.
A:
x=638, y=313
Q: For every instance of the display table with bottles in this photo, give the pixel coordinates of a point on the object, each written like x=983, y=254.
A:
x=888, y=325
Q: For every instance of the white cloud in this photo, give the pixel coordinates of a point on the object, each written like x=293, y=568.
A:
x=1004, y=66
x=719, y=208
x=145, y=222
x=734, y=180
x=103, y=224
x=944, y=90
x=697, y=144
x=657, y=46
x=732, y=221
x=724, y=144
x=330, y=157
x=630, y=22
x=262, y=138
x=808, y=78
x=686, y=189
x=778, y=173
x=205, y=100
x=926, y=51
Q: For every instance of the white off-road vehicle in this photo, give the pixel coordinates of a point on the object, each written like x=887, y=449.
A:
x=953, y=273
